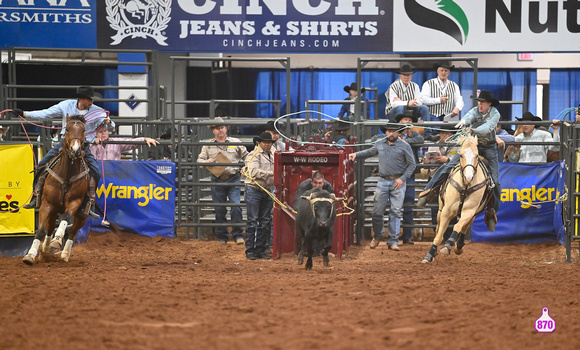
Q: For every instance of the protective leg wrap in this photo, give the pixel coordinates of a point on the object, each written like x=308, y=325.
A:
x=452, y=239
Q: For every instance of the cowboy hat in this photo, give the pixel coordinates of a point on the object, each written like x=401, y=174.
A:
x=216, y=122
x=271, y=125
x=4, y=129
x=264, y=137
x=341, y=124
x=486, y=95
x=444, y=65
x=405, y=69
x=408, y=113
x=353, y=86
x=87, y=92
x=530, y=117
x=390, y=126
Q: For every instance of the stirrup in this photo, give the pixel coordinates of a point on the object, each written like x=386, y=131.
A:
x=89, y=210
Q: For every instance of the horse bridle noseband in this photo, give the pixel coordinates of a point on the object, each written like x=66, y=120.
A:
x=81, y=142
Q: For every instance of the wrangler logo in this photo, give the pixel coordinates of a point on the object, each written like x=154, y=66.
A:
x=144, y=193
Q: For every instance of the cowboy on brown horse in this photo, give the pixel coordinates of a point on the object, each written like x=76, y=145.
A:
x=94, y=117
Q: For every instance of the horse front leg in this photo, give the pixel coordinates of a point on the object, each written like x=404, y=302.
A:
x=78, y=223
x=444, y=216
x=465, y=221
x=45, y=225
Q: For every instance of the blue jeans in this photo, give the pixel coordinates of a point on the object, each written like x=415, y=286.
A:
x=489, y=152
x=386, y=193
x=221, y=194
x=91, y=161
x=421, y=112
x=259, y=207
x=409, y=202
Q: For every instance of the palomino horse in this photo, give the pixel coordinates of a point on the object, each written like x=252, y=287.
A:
x=464, y=194
x=64, y=191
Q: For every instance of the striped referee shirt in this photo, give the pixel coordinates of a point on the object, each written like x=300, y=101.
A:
x=431, y=94
x=405, y=92
x=94, y=116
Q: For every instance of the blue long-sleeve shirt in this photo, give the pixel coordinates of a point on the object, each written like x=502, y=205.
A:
x=483, y=125
x=94, y=116
x=394, y=159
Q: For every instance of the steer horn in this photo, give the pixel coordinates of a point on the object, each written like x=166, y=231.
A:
x=333, y=197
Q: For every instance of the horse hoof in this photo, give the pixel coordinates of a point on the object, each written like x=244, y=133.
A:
x=56, y=244
x=458, y=251
x=446, y=250
x=427, y=259
x=28, y=259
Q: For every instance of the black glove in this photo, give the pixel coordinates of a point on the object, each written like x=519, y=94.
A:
x=18, y=112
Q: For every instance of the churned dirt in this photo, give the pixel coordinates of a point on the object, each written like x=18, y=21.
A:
x=124, y=291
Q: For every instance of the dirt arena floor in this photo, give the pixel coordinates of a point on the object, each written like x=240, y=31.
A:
x=124, y=291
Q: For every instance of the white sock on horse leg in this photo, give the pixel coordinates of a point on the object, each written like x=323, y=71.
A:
x=61, y=228
x=46, y=244
x=34, y=248
x=65, y=255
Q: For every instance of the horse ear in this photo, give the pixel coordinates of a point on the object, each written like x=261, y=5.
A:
x=67, y=118
x=475, y=138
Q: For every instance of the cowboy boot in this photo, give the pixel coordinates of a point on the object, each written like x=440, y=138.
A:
x=490, y=219
x=89, y=209
x=36, y=194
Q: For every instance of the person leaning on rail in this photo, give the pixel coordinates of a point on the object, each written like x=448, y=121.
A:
x=532, y=133
x=347, y=109
x=94, y=117
x=113, y=151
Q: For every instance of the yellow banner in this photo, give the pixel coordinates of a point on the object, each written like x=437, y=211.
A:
x=16, y=164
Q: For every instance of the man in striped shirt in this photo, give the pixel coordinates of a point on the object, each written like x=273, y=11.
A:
x=442, y=95
x=405, y=94
x=94, y=117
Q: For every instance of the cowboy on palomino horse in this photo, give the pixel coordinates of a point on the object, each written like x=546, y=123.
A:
x=94, y=117
x=482, y=121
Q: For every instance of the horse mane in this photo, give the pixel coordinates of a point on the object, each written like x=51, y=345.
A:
x=468, y=139
x=78, y=117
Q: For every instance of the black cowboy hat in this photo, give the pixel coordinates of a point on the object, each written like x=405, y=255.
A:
x=341, y=124
x=408, y=113
x=353, y=86
x=87, y=92
x=529, y=116
x=405, y=69
x=167, y=133
x=390, y=125
x=444, y=65
x=270, y=126
x=486, y=95
x=264, y=137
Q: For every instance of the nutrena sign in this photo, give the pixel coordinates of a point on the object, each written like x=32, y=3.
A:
x=309, y=26
x=487, y=25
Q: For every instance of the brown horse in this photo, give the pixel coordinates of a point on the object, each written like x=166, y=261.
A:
x=63, y=194
x=465, y=194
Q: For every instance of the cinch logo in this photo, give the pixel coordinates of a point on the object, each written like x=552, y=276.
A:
x=446, y=17
x=145, y=193
x=139, y=19
x=529, y=194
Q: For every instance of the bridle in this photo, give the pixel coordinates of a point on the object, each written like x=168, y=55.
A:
x=68, y=142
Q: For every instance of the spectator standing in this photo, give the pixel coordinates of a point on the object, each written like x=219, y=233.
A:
x=442, y=95
x=340, y=133
x=404, y=94
x=113, y=151
x=2, y=131
x=396, y=165
x=347, y=109
x=279, y=145
x=482, y=121
x=412, y=138
x=532, y=133
x=94, y=117
x=220, y=150
x=259, y=204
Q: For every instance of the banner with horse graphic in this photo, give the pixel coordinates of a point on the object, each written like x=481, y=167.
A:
x=531, y=205
x=15, y=188
x=140, y=198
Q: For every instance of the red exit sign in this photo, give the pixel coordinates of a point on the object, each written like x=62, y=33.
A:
x=525, y=56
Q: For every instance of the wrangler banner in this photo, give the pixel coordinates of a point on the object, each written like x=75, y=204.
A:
x=531, y=205
x=139, y=197
x=15, y=189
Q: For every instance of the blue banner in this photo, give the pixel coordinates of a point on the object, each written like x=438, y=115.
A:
x=247, y=25
x=528, y=212
x=140, y=198
x=50, y=24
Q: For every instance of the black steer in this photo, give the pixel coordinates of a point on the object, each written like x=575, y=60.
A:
x=316, y=210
